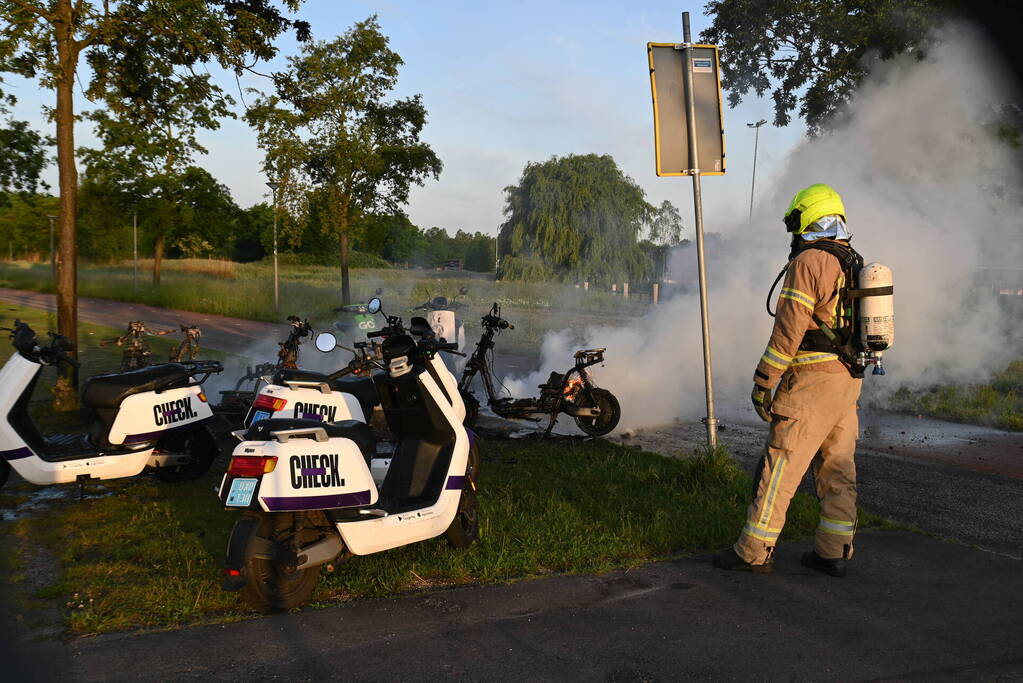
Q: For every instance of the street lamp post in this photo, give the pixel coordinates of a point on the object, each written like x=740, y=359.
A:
x=53, y=259
x=753, y=183
x=277, y=296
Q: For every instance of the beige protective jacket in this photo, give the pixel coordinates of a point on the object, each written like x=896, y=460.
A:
x=811, y=286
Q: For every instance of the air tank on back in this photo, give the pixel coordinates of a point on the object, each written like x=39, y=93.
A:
x=877, y=313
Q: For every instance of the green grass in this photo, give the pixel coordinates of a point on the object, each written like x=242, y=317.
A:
x=245, y=290
x=148, y=556
x=998, y=403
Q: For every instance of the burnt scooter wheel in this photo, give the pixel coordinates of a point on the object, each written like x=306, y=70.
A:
x=199, y=444
x=610, y=413
x=273, y=586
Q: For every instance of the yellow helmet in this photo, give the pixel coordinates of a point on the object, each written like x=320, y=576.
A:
x=810, y=204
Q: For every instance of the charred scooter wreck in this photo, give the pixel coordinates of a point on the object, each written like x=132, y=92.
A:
x=309, y=495
x=154, y=417
x=596, y=411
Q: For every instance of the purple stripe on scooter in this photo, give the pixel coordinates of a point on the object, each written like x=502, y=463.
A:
x=338, y=500
x=149, y=436
x=455, y=483
x=16, y=453
x=312, y=416
x=313, y=471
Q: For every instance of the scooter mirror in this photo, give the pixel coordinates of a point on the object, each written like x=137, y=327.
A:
x=380, y=290
x=373, y=306
x=463, y=291
x=326, y=342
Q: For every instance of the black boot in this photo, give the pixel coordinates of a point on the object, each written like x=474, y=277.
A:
x=829, y=567
x=731, y=561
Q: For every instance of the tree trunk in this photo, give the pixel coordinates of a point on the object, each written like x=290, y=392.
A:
x=66, y=391
x=346, y=290
x=157, y=258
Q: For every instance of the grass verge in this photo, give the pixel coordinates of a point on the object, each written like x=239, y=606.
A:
x=147, y=556
x=998, y=403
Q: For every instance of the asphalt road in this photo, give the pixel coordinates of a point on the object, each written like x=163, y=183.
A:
x=913, y=608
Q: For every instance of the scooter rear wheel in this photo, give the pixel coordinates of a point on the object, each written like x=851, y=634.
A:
x=202, y=448
x=272, y=586
x=610, y=413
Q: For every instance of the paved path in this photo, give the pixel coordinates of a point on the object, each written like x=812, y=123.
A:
x=911, y=608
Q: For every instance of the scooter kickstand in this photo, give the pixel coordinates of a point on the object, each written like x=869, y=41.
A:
x=81, y=486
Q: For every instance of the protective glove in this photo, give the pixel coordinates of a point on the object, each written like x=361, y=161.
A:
x=761, y=398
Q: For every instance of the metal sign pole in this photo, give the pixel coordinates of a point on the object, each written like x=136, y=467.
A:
x=694, y=165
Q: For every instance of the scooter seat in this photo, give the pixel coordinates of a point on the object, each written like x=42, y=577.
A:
x=362, y=388
x=359, y=432
x=108, y=391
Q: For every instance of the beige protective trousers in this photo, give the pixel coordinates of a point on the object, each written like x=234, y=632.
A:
x=814, y=422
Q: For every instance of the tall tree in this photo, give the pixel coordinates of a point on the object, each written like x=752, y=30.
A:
x=578, y=218
x=135, y=49
x=331, y=136
x=812, y=54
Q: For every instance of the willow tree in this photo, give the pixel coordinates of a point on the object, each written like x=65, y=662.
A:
x=334, y=144
x=579, y=218
x=135, y=49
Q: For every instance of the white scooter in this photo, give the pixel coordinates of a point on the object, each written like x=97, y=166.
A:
x=152, y=417
x=442, y=319
x=309, y=494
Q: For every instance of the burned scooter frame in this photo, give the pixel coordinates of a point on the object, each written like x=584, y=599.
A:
x=596, y=411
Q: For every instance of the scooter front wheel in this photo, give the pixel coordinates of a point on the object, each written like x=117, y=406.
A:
x=273, y=586
x=465, y=527
x=610, y=413
x=472, y=408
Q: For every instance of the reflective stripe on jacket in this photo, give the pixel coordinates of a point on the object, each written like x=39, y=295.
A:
x=811, y=287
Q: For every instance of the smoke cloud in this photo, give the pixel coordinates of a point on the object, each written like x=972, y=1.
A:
x=929, y=191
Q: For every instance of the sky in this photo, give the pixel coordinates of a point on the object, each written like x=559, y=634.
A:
x=504, y=85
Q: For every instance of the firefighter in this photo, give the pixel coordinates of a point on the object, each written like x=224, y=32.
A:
x=812, y=415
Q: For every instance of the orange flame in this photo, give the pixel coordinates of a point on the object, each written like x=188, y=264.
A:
x=573, y=387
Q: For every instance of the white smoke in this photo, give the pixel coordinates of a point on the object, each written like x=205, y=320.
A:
x=928, y=191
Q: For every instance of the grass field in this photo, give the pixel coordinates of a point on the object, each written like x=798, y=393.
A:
x=147, y=555
x=245, y=290
x=998, y=403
